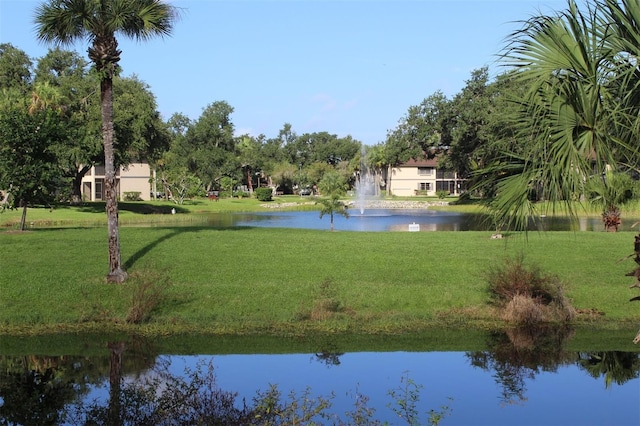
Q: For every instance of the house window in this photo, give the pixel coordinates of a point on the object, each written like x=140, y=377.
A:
x=99, y=195
x=424, y=186
x=425, y=171
x=445, y=174
x=446, y=185
x=100, y=171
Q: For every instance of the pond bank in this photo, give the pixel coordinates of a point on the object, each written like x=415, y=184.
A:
x=368, y=204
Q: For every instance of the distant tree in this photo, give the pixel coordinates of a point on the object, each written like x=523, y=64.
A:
x=180, y=184
x=469, y=116
x=248, y=149
x=65, y=21
x=316, y=171
x=140, y=133
x=281, y=175
x=500, y=135
x=208, y=148
x=15, y=68
x=28, y=165
x=69, y=75
x=226, y=184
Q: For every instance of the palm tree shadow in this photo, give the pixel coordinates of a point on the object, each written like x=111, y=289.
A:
x=146, y=249
x=175, y=231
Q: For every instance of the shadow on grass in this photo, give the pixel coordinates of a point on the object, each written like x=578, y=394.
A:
x=140, y=254
x=137, y=207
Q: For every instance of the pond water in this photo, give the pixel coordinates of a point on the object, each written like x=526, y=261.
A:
x=514, y=378
x=381, y=220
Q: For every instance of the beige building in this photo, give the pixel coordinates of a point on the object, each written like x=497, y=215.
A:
x=422, y=177
x=135, y=178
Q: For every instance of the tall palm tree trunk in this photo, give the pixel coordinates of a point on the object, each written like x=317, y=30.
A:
x=116, y=274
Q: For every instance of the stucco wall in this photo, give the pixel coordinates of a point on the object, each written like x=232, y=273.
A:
x=405, y=181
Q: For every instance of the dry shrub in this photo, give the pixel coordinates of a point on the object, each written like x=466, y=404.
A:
x=148, y=290
x=524, y=310
x=527, y=295
x=326, y=304
x=516, y=278
x=324, y=309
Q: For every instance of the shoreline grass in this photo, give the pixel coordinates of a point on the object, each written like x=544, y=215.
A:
x=258, y=281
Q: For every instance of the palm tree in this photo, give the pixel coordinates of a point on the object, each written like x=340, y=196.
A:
x=577, y=115
x=65, y=21
x=611, y=191
x=332, y=206
x=332, y=185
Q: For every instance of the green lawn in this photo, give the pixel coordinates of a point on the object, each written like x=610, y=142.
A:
x=290, y=281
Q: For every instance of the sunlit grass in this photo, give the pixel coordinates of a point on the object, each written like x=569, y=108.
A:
x=266, y=280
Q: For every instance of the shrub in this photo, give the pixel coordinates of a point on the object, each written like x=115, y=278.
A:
x=325, y=304
x=527, y=295
x=149, y=290
x=132, y=196
x=264, y=194
x=523, y=310
x=442, y=194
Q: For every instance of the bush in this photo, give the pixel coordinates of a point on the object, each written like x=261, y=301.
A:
x=149, y=288
x=523, y=310
x=442, y=194
x=132, y=196
x=527, y=295
x=264, y=194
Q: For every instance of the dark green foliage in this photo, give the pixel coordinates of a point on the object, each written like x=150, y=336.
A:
x=28, y=168
x=15, y=68
x=264, y=194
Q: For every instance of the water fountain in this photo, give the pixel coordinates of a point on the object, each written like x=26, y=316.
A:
x=365, y=186
x=365, y=190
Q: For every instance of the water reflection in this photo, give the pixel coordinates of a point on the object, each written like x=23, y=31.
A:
x=523, y=376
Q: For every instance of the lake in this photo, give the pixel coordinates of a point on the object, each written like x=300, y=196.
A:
x=393, y=220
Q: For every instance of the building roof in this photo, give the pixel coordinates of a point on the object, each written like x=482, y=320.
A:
x=421, y=162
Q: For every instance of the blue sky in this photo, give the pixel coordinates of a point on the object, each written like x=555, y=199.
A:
x=349, y=67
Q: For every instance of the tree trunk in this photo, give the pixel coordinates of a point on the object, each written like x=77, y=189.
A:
x=116, y=274
x=389, y=180
x=23, y=219
x=250, y=180
x=76, y=196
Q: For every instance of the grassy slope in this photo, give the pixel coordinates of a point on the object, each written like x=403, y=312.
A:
x=272, y=280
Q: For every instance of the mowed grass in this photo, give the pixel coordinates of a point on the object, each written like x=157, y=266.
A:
x=280, y=281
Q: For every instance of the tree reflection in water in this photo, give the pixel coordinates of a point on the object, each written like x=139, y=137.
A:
x=56, y=390
x=519, y=354
x=616, y=367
